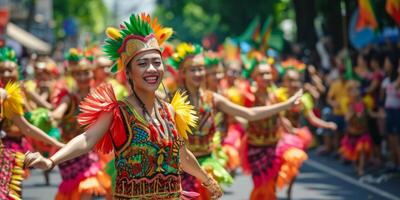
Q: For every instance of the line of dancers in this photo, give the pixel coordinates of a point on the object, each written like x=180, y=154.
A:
x=148, y=119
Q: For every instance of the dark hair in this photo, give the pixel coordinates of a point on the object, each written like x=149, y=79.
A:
x=375, y=55
x=394, y=61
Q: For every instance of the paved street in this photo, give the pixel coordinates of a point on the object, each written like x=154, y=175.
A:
x=321, y=178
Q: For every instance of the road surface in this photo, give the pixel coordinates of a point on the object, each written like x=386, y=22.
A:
x=321, y=178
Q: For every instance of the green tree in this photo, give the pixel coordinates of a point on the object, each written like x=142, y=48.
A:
x=91, y=15
x=194, y=19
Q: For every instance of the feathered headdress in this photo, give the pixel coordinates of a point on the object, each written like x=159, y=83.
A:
x=8, y=58
x=183, y=51
x=7, y=54
x=252, y=59
x=79, y=60
x=140, y=33
x=211, y=59
x=291, y=64
x=48, y=65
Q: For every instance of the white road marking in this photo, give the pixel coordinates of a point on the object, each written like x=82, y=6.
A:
x=350, y=180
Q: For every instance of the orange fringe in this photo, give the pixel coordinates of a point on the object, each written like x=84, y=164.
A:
x=233, y=157
x=99, y=185
x=362, y=147
x=293, y=158
x=264, y=192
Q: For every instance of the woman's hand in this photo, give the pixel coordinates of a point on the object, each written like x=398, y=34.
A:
x=296, y=98
x=332, y=126
x=36, y=160
x=213, y=187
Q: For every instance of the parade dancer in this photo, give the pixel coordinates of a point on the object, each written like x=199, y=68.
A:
x=292, y=120
x=145, y=133
x=13, y=128
x=356, y=145
x=190, y=62
x=39, y=93
x=291, y=83
x=271, y=156
x=102, y=75
x=226, y=139
x=82, y=177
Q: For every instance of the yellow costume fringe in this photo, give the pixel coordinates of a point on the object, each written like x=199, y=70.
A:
x=185, y=115
x=14, y=100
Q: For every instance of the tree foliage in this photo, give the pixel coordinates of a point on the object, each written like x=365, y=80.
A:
x=91, y=15
x=193, y=19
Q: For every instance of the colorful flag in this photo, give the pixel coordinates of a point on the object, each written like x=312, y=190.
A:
x=367, y=16
x=253, y=30
x=393, y=9
x=266, y=33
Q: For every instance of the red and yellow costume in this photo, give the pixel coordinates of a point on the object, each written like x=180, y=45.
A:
x=270, y=155
x=82, y=175
x=201, y=142
x=357, y=139
x=11, y=156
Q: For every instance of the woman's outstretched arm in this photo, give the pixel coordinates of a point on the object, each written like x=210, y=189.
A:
x=255, y=113
x=79, y=145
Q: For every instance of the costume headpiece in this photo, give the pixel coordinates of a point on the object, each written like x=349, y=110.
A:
x=140, y=33
x=291, y=64
x=211, y=59
x=8, y=57
x=182, y=52
x=79, y=60
x=48, y=65
x=252, y=59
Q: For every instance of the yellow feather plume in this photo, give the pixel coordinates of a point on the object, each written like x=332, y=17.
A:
x=14, y=101
x=113, y=33
x=163, y=34
x=185, y=115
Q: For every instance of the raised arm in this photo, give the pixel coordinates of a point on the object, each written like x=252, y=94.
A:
x=79, y=145
x=32, y=131
x=255, y=113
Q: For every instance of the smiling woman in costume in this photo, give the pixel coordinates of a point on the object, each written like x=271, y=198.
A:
x=145, y=133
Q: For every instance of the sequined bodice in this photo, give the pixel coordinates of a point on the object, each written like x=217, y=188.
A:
x=294, y=115
x=69, y=124
x=263, y=132
x=200, y=142
x=145, y=168
x=357, y=124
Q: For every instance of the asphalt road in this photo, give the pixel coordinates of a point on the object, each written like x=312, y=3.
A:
x=321, y=178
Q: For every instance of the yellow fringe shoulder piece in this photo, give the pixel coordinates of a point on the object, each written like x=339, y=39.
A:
x=13, y=105
x=185, y=115
x=282, y=94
